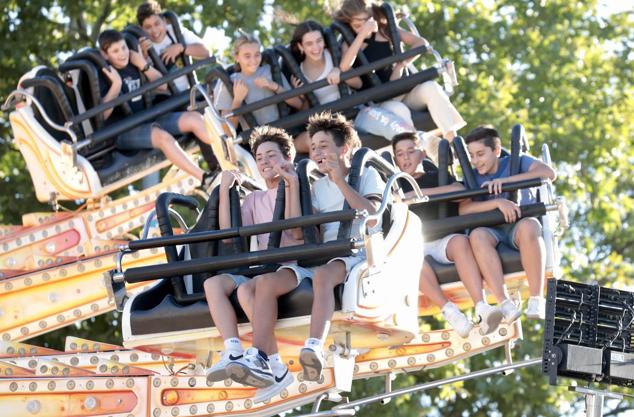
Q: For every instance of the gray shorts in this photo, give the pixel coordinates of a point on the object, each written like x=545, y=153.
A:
x=140, y=137
x=237, y=279
x=299, y=271
x=504, y=233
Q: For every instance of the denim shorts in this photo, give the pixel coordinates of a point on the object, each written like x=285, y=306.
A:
x=504, y=233
x=140, y=137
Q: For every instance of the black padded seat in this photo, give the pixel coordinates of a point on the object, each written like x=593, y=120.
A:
x=446, y=273
x=150, y=316
x=123, y=164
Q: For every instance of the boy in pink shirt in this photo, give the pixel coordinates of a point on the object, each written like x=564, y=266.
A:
x=273, y=150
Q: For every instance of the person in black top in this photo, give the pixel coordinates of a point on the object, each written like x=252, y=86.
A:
x=371, y=27
x=124, y=76
x=453, y=248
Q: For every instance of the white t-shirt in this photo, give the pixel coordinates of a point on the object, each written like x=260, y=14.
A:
x=330, y=92
x=327, y=197
x=190, y=37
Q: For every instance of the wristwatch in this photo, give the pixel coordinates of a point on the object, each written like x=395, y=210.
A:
x=146, y=67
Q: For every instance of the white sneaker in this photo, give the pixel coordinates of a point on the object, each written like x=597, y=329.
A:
x=218, y=371
x=312, y=360
x=489, y=317
x=252, y=369
x=283, y=378
x=510, y=310
x=536, y=308
x=457, y=319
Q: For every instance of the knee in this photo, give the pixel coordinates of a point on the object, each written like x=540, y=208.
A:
x=212, y=285
x=263, y=283
x=479, y=237
x=459, y=244
x=529, y=229
x=322, y=279
x=429, y=87
x=160, y=138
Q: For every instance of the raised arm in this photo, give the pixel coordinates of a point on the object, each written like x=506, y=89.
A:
x=114, y=90
x=350, y=52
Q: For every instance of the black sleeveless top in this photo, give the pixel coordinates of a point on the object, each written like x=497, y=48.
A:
x=374, y=51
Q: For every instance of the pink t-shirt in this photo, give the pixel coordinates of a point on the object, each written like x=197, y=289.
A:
x=258, y=208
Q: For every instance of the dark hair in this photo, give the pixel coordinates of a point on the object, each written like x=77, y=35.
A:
x=300, y=30
x=485, y=134
x=341, y=129
x=147, y=9
x=263, y=134
x=405, y=136
x=350, y=8
x=107, y=38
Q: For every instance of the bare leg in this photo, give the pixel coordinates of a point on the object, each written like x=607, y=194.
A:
x=172, y=151
x=246, y=297
x=459, y=251
x=325, y=279
x=483, y=245
x=302, y=142
x=528, y=238
x=193, y=122
x=217, y=291
x=268, y=288
x=428, y=284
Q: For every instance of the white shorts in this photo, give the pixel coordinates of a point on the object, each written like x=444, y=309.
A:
x=437, y=249
x=299, y=271
x=349, y=261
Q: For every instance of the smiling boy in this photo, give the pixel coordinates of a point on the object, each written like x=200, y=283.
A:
x=162, y=38
x=491, y=171
x=124, y=76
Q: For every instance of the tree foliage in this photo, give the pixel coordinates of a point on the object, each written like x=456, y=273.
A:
x=562, y=69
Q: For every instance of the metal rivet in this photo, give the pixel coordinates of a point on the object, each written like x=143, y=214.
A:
x=229, y=406
x=374, y=366
x=90, y=385
x=284, y=394
x=391, y=363
x=129, y=382
x=60, y=318
x=302, y=388
x=156, y=412
x=444, y=336
x=466, y=347
x=13, y=387
x=449, y=352
x=28, y=281
x=134, y=357
x=411, y=361
x=431, y=358
x=175, y=411
x=191, y=382
x=94, y=360
x=210, y=408
x=426, y=337
x=503, y=331
x=51, y=385
x=42, y=324
x=33, y=406
x=45, y=277
x=33, y=386
x=109, y=383
x=193, y=409
x=174, y=382
x=90, y=403
x=486, y=341
x=70, y=385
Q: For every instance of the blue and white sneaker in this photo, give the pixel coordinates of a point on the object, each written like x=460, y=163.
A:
x=312, y=360
x=253, y=369
x=283, y=378
x=218, y=371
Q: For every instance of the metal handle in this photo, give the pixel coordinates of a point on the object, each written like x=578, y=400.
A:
x=9, y=101
x=385, y=198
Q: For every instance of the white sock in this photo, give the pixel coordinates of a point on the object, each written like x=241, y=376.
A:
x=448, y=306
x=233, y=344
x=314, y=343
x=482, y=305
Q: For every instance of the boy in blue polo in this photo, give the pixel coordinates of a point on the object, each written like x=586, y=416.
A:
x=491, y=171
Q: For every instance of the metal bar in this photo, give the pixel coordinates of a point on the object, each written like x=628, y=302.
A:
x=215, y=263
x=436, y=384
x=331, y=413
x=143, y=89
x=458, y=195
x=244, y=231
x=355, y=72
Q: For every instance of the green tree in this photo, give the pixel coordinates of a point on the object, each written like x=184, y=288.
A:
x=562, y=69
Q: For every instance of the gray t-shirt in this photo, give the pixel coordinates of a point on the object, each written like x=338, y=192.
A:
x=223, y=97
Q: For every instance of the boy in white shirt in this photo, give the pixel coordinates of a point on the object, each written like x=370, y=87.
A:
x=163, y=39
